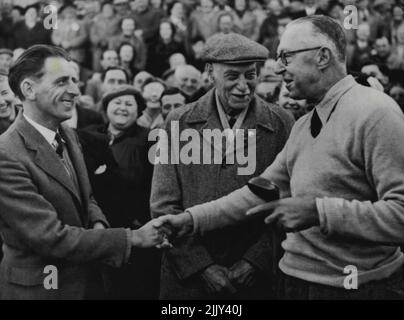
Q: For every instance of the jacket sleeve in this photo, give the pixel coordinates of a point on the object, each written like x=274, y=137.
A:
x=231, y=209
x=35, y=222
x=188, y=256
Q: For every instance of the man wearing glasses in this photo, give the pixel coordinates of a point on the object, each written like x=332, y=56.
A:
x=340, y=175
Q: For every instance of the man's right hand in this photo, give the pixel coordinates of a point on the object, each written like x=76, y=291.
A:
x=148, y=236
x=216, y=279
x=179, y=224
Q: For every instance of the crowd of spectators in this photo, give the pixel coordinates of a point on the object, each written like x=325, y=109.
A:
x=146, y=55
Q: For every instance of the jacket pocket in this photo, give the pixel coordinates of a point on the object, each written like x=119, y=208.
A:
x=25, y=276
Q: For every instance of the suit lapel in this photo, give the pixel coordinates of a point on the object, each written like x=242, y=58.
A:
x=78, y=163
x=45, y=157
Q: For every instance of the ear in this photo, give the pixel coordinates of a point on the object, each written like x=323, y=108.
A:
x=27, y=88
x=209, y=71
x=324, y=57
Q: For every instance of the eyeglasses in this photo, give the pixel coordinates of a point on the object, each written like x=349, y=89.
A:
x=283, y=55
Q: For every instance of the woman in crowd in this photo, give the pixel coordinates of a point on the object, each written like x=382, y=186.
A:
x=165, y=46
x=127, y=56
x=116, y=156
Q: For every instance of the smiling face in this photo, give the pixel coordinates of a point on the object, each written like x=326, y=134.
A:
x=6, y=99
x=188, y=79
x=235, y=84
x=170, y=102
x=55, y=93
x=122, y=112
x=301, y=75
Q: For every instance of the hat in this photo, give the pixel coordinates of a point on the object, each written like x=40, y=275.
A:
x=123, y=90
x=6, y=51
x=233, y=48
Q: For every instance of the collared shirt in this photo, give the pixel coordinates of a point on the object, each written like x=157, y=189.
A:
x=224, y=117
x=48, y=134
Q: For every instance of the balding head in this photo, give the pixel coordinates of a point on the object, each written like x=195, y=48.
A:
x=322, y=31
x=188, y=79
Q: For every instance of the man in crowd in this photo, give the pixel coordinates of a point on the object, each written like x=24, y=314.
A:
x=48, y=215
x=94, y=85
x=188, y=79
x=340, y=177
x=236, y=262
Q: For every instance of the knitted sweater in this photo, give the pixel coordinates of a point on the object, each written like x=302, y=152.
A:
x=355, y=170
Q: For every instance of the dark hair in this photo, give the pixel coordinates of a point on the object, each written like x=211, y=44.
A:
x=104, y=73
x=31, y=63
x=133, y=50
x=330, y=28
x=173, y=90
x=151, y=80
x=171, y=5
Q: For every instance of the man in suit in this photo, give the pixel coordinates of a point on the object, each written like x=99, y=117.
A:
x=235, y=262
x=48, y=216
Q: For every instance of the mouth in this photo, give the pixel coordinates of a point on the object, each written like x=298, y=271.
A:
x=243, y=97
x=68, y=103
x=4, y=107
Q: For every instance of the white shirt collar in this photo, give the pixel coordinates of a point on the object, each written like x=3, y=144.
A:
x=48, y=134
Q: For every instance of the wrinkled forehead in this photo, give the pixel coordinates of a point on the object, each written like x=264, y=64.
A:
x=58, y=67
x=299, y=36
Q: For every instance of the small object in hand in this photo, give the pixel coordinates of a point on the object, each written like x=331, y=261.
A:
x=263, y=188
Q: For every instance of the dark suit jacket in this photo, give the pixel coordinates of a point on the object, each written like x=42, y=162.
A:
x=177, y=187
x=45, y=220
x=86, y=117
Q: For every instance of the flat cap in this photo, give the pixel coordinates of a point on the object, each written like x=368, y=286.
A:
x=233, y=48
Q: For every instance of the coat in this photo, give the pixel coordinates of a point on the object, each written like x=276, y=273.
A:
x=176, y=187
x=45, y=220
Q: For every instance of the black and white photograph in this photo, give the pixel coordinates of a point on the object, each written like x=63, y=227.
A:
x=202, y=155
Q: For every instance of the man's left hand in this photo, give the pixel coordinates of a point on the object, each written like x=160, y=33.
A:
x=243, y=274
x=290, y=214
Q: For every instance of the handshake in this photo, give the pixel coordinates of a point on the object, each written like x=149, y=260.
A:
x=160, y=231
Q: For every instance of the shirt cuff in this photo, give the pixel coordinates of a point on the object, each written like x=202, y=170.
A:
x=322, y=216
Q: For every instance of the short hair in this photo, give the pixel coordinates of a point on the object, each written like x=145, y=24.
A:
x=104, y=73
x=31, y=63
x=172, y=91
x=329, y=28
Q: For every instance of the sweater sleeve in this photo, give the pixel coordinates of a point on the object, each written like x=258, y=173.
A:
x=381, y=221
x=231, y=209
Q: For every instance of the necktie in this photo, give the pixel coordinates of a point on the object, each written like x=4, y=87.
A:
x=316, y=124
x=59, y=145
x=232, y=121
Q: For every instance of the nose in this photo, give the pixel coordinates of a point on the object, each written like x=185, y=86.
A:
x=242, y=84
x=73, y=89
x=279, y=67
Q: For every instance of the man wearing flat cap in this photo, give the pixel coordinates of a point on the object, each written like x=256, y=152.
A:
x=235, y=262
